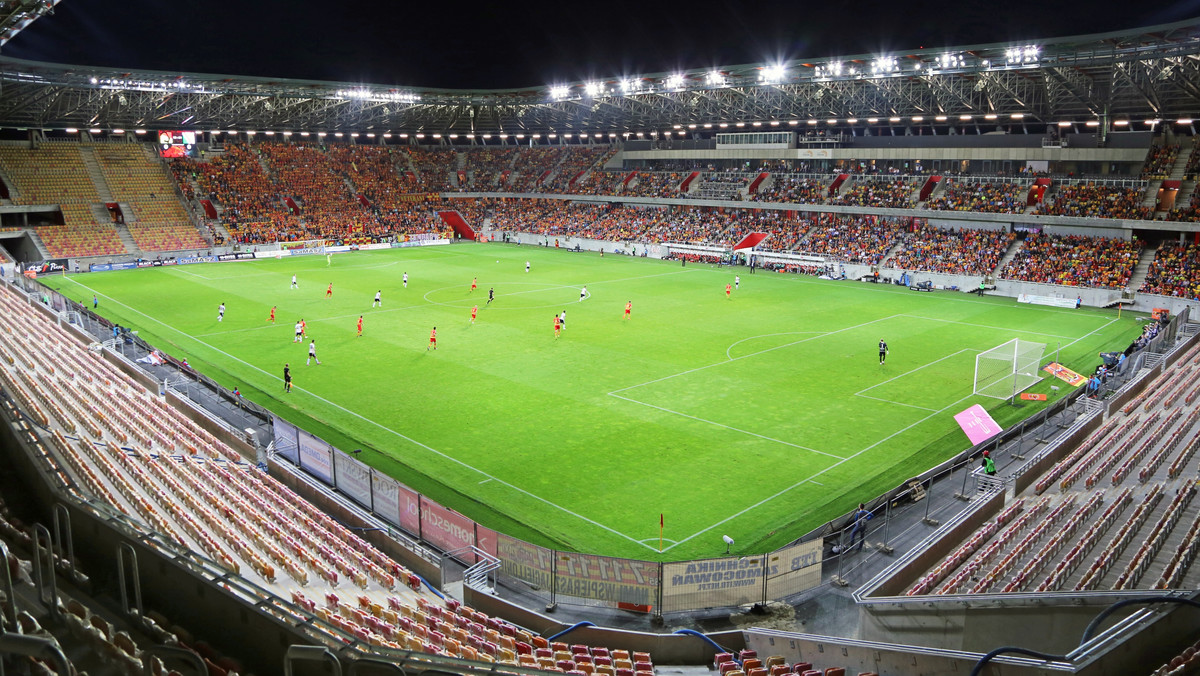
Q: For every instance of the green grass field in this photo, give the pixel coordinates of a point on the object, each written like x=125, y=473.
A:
x=760, y=416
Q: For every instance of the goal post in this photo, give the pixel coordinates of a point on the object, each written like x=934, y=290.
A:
x=1006, y=370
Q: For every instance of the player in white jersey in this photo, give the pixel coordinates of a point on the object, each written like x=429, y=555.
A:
x=378, y=302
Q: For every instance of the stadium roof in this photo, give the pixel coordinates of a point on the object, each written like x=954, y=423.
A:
x=16, y=15
x=1145, y=74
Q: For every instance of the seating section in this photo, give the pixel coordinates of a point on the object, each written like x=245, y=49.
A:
x=125, y=446
x=1075, y=260
x=720, y=185
x=793, y=189
x=158, y=222
x=1116, y=512
x=959, y=252
x=1091, y=200
x=855, y=239
x=1186, y=662
x=961, y=195
x=576, y=160
x=487, y=167
x=655, y=184
x=1159, y=162
x=892, y=193
x=54, y=173
x=1175, y=271
x=747, y=663
x=434, y=167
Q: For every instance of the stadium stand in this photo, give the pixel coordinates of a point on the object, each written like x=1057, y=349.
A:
x=792, y=189
x=55, y=173
x=856, y=239
x=887, y=193
x=1094, y=200
x=958, y=252
x=159, y=221
x=575, y=162
x=988, y=197
x=534, y=165
x=654, y=184
x=1175, y=271
x=434, y=167
x=1075, y=260
x=486, y=167
x=1159, y=161
x=1124, y=484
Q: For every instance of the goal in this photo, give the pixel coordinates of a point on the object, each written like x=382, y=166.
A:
x=1004, y=371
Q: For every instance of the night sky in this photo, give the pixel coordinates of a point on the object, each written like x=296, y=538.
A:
x=535, y=42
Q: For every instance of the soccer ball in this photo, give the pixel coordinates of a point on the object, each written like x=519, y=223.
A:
x=497, y=261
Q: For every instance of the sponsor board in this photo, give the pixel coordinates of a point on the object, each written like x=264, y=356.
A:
x=131, y=265
x=445, y=528
x=197, y=259
x=794, y=569
x=714, y=583
x=49, y=266
x=353, y=478
x=1065, y=374
x=977, y=424
x=385, y=492
x=419, y=242
x=316, y=457
x=286, y=443
x=602, y=578
x=410, y=509
x=100, y=267
x=304, y=251
x=373, y=247
x=243, y=256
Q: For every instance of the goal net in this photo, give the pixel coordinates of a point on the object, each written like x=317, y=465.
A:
x=1008, y=369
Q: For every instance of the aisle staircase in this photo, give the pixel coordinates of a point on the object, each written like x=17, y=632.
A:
x=1141, y=269
x=1009, y=255
x=103, y=191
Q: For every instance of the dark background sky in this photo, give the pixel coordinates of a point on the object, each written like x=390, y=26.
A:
x=533, y=42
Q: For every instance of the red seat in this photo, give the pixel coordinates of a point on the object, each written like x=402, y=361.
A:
x=727, y=667
x=524, y=648
x=579, y=649
x=801, y=667
x=721, y=658
x=835, y=671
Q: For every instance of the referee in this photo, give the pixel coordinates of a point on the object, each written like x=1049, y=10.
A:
x=883, y=350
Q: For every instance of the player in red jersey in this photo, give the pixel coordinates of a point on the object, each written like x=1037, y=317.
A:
x=272, y=318
x=474, y=311
x=303, y=328
x=628, y=309
x=728, y=290
x=360, y=326
x=329, y=291
x=474, y=283
x=557, y=327
x=432, y=340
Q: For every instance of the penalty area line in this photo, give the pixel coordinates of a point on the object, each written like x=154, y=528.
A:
x=367, y=420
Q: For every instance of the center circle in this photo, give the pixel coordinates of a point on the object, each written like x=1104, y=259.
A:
x=509, y=295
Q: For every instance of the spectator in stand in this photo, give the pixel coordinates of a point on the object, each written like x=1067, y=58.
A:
x=1175, y=271
x=894, y=194
x=1006, y=198
x=957, y=252
x=1075, y=260
x=792, y=190
x=1091, y=200
x=1159, y=162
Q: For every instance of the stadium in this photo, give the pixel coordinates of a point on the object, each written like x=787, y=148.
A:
x=876, y=364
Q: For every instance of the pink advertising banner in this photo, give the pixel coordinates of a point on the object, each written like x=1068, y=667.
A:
x=977, y=424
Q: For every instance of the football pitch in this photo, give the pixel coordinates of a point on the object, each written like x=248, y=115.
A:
x=759, y=416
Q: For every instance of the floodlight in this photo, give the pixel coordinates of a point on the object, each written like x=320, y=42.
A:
x=95, y=81
x=631, y=85
x=1093, y=123
x=387, y=135
x=940, y=118
x=812, y=121
x=918, y=118
x=118, y=131
x=741, y=124
x=370, y=134
x=139, y=131
x=71, y=130
x=832, y=120
x=304, y=133
x=724, y=125
x=451, y=136
x=851, y=120
x=793, y=122
x=437, y=135
x=1120, y=123
x=715, y=78
x=773, y=73
x=884, y=65
x=872, y=120
x=756, y=124
x=336, y=133
x=774, y=123
x=288, y=133
x=559, y=92
x=1018, y=116
x=989, y=116
x=893, y=119
x=1064, y=123
x=708, y=125
x=1183, y=120
x=321, y=134
x=691, y=126
x=594, y=88
x=94, y=130
x=270, y=133
x=504, y=136
x=674, y=81
x=353, y=134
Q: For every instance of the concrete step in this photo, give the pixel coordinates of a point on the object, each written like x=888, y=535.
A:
x=96, y=174
x=1009, y=255
x=1141, y=269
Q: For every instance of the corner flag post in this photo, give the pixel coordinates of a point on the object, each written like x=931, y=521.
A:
x=660, y=531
